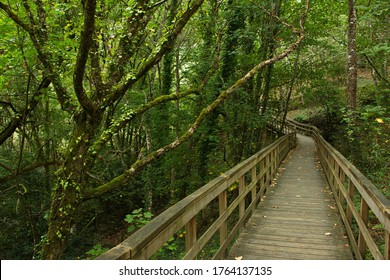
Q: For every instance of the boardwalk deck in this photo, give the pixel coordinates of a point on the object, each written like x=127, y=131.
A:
x=298, y=218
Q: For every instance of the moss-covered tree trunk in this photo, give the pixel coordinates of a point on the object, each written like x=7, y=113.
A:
x=67, y=194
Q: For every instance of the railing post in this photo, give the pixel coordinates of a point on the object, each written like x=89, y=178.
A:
x=341, y=193
x=328, y=167
x=190, y=233
x=271, y=162
x=276, y=158
x=254, y=188
x=262, y=177
x=351, y=194
x=364, y=215
x=387, y=245
x=336, y=175
x=268, y=171
x=223, y=230
x=241, y=189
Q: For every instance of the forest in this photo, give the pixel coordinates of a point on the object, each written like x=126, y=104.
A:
x=112, y=111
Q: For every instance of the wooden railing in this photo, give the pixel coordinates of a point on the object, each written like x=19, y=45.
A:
x=360, y=203
x=253, y=176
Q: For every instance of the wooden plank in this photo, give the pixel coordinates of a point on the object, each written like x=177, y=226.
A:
x=319, y=223
x=300, y=252
x=351, y=194
x=342, y=188
x=119, y=252
x=254, y=182
x=387, y=246
x=288, y=245
x=190, y=234
x=223, y=230
x=293, y=237
x=248, y=252
x=241, y=188
x=262, y=175
x=362, y=244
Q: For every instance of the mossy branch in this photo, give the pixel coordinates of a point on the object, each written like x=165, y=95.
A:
x=86, y=42
x=127, y=118
x=165, y=47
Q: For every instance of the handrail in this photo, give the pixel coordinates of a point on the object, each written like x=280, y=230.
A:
x=253, y=175
x=349, y=186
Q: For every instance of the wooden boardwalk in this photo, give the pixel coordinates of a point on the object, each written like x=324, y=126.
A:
x=298, y=218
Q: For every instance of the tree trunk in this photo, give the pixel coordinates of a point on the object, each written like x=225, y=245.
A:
x=67, y=194
x=269, y=33
x=352, y=56
x=290, y=89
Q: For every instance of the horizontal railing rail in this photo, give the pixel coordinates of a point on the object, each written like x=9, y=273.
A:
x=253, y=176
x=358, y=200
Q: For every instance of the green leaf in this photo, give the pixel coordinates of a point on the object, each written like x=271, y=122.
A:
x=129, y=218
x=148, y=215
x=137, y=211
x=131, y=228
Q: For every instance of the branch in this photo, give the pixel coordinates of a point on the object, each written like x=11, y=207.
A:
x=139, y=164
x=7, y=9
x=115, y=127
x=166, y=46
x=6, y=167
x=26, y=170
x=29, y=13
x=17, y=120
x=376, y=70
x=157, y=4
x=42, y=19
x=131, y=38
x=9, y=104
x=295, y=30
x=63, y=98
x=82, y=55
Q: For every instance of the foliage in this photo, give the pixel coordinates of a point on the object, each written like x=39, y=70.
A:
x=96, y=251
x=137, y=219
x=173, y=249
x=368, y=129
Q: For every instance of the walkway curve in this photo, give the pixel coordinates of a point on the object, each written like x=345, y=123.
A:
x=298, y=218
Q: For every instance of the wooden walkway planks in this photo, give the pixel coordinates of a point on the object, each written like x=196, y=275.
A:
x=298, y=218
